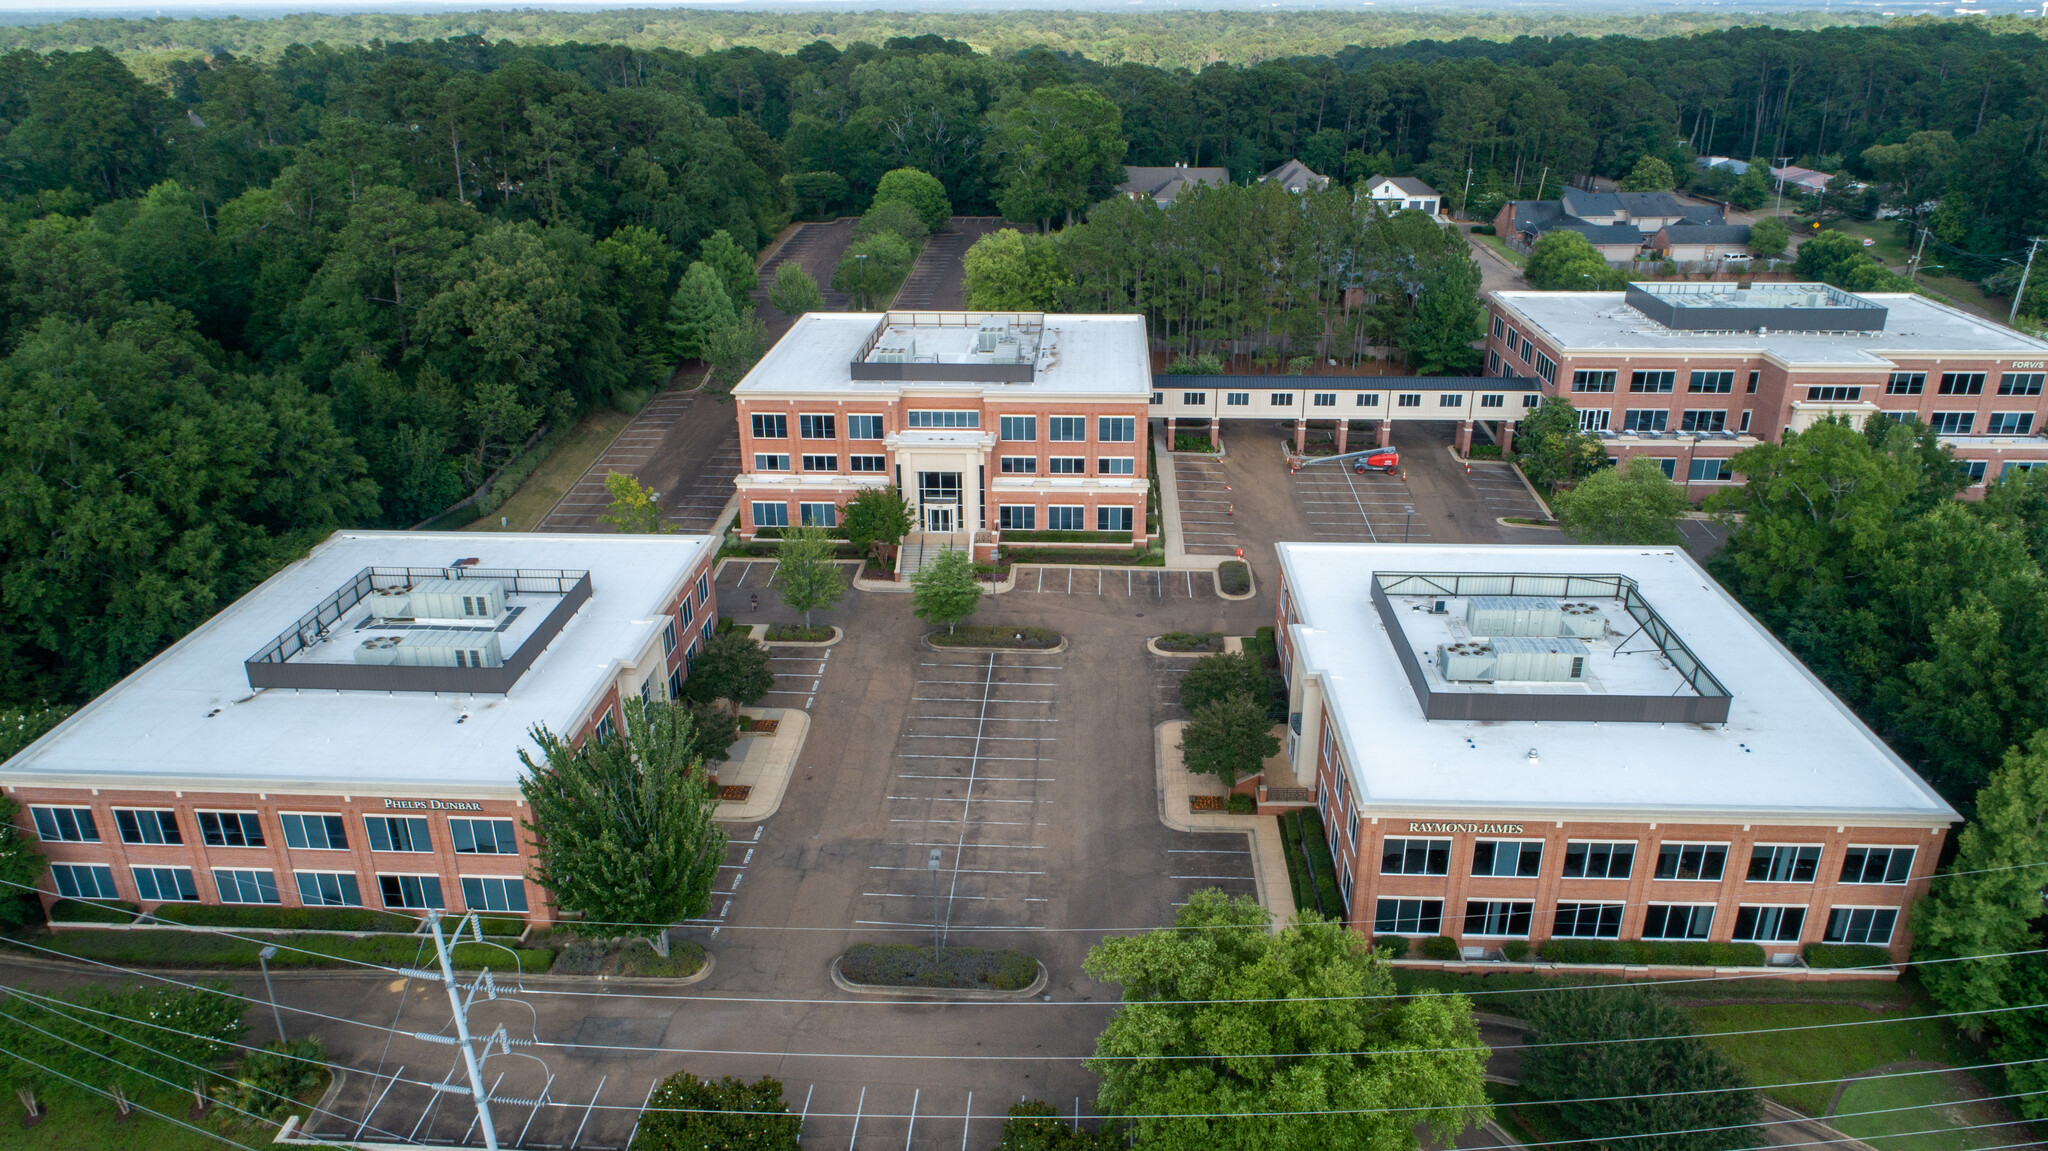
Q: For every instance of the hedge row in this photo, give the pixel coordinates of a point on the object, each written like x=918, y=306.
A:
x=1066, y=537
x=100, y=911
x=201, y=949
x=965, y=968
x=1327, y=893
x=1839, y=955
x=314, y=918
x=1638, y=952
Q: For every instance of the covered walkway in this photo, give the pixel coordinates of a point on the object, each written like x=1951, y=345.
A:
x=1342, y=399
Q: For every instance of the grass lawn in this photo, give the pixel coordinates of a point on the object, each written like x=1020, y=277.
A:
x=1763, y=992
x=1829, y=1055
x=1939, y=1101
x=1506, y=253
x=204, y=949
x=1534, y=1123
x=1893, y=250
x=78, y=1120
x=558, y=473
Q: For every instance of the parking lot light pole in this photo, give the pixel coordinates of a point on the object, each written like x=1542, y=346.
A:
x=263, y=959
x=932, y=865
x=1408, y=525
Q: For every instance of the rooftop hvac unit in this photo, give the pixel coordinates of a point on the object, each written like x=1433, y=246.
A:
x=1439, y=607
x=1583, y=621
x=395, y=604
x=895, y=350
x=1539, y=659
x=432, y=648
x=1510, y=615
x=1467, y=662
x=463, y=599
x=993, y=330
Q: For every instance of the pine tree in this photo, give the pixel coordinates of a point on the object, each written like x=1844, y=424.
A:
x=734, y=266
x=700, y=307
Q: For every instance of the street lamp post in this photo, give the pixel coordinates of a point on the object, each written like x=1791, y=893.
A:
x=860, y=277
x=263, y=959
x=932, y=865
x=1410, y=524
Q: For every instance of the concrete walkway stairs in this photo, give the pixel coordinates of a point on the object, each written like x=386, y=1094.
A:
x=920, y=549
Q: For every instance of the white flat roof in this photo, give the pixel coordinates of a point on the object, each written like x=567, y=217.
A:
x=1914, y=325
x=1790, y=750
x=1077, y=356
x=188, y=718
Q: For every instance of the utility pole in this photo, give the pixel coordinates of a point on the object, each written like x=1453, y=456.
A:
x=460, y=1007
x=1913, y=265
x=2032, y=245
x=1465, y=198
x=1540, y=180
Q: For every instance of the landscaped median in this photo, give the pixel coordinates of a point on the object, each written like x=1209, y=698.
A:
x=997, y=637
x=908, y=967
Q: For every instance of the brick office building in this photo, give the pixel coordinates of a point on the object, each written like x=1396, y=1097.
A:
x=1533, y=742
x=988, y=422
x=348, y=733
x=1689, y=374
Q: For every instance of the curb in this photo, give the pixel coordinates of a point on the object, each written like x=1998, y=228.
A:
x=1504, y=522
x=1152, y=645
x=1540, y=501
x=1054, y=650
x=838, y=634
x=943, y=994
x=777, y=778
x=1249, y=578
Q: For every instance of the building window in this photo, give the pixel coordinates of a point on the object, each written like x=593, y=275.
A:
x=1702, y=421
x=1877, y=865
x=675, y=685
x=84, y=881
x=1280, y=399
x=1952, y=423
x=1409, y=917
x=608, y=728
x=867, y=463
x=147, y=826
x=411, y=892
x=1116, y=429
x=1593, y=421
x=2021, y=383
x=1678, y=921
x=1067, y=429
x=821, y=463
x=1546, y=369
x=816, y=428
x=1645, y=420
x=1531, y=400
x=1906, y=384
x=1017, y=517
x=1598, y=860
x=668, y=638
x=65, y=824
x=1769, y=924
x=818, y=515
x=771, y=462
x=1722, y=382
x=1415, y=857
x=493, y=893
x=768, y=515
x=1061, y=518
x=328, y=889
x=1834, y=394
x=1493, y=363
x=1745, y=421
x=1113, y=519
x=684, y=611
x=1861, y=924
x=1018, y=465
x=315, y=832
x=863, y=427
x=967, y=419
x=1710, y=471
x=1018, y=428
x=1066, y=466
x=1962, y=383
x=1158, y=398
x=165, y=885
x=1974, y=469
x=1450, y=400
x=703, y=588
x=1493, y=401
x=771, y=427
x=1237, y=399
x=1368, y=399
x=1326, y=399
x=1588, y=920
x=398, y=833
x=230, y=829
x=1702, y=861
x=1523, y=860
x=1497, y=326
x=2010, y=423
x=1194, y=399
x=1498, y=917
x=1651, y=381
x=1117, y=465
x=1410, y=400
x=240, y=886
x=1752, y=383
x=1783, y=863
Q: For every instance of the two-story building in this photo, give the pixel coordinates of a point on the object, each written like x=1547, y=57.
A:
x=1689, y=374
x=349, y=732
x=1527, y=743
x=987, y=422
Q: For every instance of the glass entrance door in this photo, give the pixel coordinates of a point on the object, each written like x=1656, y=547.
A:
x=938, y=494
x=939, y=519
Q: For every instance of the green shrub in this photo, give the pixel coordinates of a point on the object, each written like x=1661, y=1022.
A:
x=585, y=956
x=1589, y=951
x=1297, y=876
x=1034, y=1125
x=688, y=1112
x=1328, y=896
x=798, y=633
x=1191, y=641
x=1834, y=956
x=1675, y=953
x=1192, y=442
x=910, y=965
x=268, y=1080
x=1121, y=557
x=1202, y=365
x=1241, y=804
x=93, y=911
x=289, y=918
x=1515, y=949
x=207, y=949
x=1440, y=947
x=1066, y=537
x=1485, y=451
x=520, y=467
x=1234, y=577
x=1483, y=230
x=995, y=635
x=1262, y=647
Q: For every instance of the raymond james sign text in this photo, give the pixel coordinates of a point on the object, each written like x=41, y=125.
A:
x=1476, y=828
x=434, y=804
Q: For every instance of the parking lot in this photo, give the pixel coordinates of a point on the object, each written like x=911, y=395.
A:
x=1208, y=506
x=1502, y=491
x=1125, y=583
x=1341, y=505
x=702, y=500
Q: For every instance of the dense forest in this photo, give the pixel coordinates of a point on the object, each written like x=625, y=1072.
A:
x=246, y=302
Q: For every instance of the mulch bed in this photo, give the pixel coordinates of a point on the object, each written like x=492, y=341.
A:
x=735, y=791
x=1208, y=803
x=760, y=726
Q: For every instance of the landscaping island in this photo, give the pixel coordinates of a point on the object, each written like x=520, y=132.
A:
x=898, y=965
x=996, y=636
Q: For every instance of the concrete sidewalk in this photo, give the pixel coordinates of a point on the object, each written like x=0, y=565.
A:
x=1177, y=784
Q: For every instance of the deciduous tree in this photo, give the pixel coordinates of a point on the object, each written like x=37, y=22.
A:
x=1649, y=175
x=945, y=591
x=876, y=517
x=1229, y=738
x=1055, y=150
x=1008, y=271
x=1564, y=261
x=732, y=667
x=632, y=509
x=1550, y=447
x=1635, y=504
x=809, y=573
x=920, y=190
x=794, y=291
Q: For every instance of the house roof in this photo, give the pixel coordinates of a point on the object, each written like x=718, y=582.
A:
x=1164, y=184
x=1582, y=203
x=1295, y=176
x=1540, y=216
x=1408, y=184
x=1804, y=177
x=1705, y=233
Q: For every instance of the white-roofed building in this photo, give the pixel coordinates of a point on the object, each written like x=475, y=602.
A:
x=1453, y=707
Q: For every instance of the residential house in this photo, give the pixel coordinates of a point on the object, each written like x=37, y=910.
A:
x=1165, y=185
x=1793, y=178
x=1619, y=224
x=1702, y=243
x=1397, y=193
x=1296, y=177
